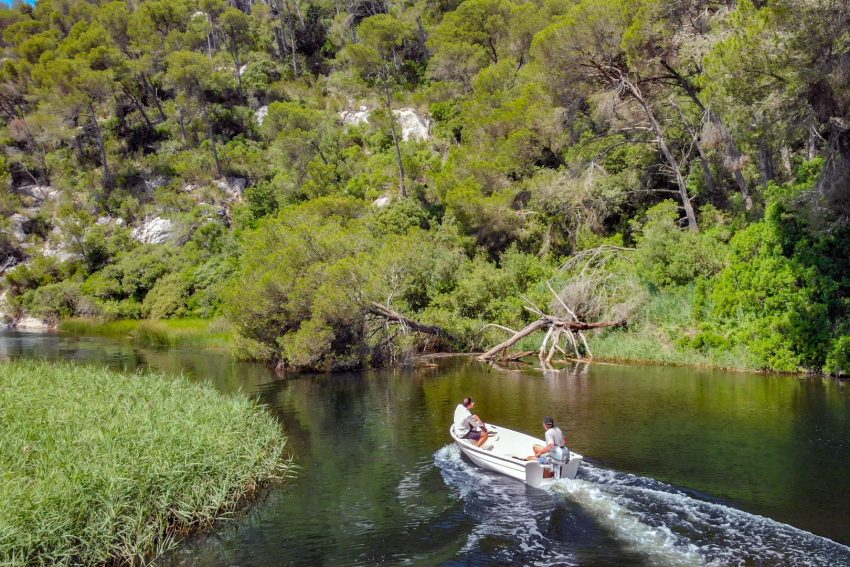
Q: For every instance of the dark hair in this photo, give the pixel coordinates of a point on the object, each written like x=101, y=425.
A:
x=467, y=401
x=548, y=421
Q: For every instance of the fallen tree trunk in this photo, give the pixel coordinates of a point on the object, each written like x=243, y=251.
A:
x=375, y=308
x=553, y=325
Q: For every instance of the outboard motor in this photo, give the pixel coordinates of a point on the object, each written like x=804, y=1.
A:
x=559, y=457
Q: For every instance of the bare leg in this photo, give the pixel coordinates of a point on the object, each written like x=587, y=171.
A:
x=536, y=455
x=483, y=438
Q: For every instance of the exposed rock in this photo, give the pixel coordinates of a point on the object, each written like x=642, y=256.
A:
x=156, y=230
x=232, y=186
x=242, y=69
x=40, y=193
x=353, y=117
x=261, y=114
x=382, y=202
x=154, y=183
x=60, y=252
x=413, y=126
x=114, y=221
x=17, y=222
x=31, y=324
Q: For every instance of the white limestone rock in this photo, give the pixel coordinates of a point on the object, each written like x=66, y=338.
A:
x=156, y=230
x=40, y=193
x=382, y=202
x=233, y=187
x=261, y=114
x=112, y=221
x=16, y=226
x=413, y=126
x=354, y=117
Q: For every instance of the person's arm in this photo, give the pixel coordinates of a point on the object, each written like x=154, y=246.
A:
x=543, y=450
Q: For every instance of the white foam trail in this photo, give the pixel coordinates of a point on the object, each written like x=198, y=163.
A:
x=651, y=518
x=504, y=512
x=657, y=543
x=721, y=535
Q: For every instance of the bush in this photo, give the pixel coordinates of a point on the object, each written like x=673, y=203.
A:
x=838, y=359
x=168, y=297
x=670, y=255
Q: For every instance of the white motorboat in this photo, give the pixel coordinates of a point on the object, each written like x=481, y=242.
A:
x=506, y=451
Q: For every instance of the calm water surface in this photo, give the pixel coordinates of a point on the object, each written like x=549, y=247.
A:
x=684, y=467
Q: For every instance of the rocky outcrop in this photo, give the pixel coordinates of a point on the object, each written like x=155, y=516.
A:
x=17, y=222
x=261, y=114
x=39, y=194
x=413, y=126
x=382, y=202
x=156, y=230
x=233, y=187
x=354, y=117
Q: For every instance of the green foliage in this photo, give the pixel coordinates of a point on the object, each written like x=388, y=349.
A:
x=120, y=487
x=668, y=255
x=556, y=126
x=838, y=359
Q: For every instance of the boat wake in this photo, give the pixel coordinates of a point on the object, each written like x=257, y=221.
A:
x=507, y=522
x=647, y=519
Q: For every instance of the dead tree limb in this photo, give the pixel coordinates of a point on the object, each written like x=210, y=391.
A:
x=551, y=324
x=375, y=308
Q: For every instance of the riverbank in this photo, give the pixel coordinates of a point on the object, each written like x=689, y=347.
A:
x=101, y=467
x=209, y=333
x=662, y=332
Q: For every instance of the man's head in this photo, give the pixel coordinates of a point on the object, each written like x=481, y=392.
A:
x=468, y=402
x=548, y=422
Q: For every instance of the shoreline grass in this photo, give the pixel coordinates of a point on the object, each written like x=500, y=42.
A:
x=208, y=333
x=652, y=338
x=99, y=467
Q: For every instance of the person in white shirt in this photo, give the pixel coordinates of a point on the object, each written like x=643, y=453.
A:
x=468, y=425
x=554, y=437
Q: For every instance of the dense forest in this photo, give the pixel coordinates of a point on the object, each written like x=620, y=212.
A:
x=351, y=182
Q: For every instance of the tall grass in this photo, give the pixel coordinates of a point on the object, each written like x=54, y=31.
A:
x=653, y=336
x=156, y=332
x=100, y=467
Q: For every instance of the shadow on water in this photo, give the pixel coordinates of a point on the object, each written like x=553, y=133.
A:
x=716, y=467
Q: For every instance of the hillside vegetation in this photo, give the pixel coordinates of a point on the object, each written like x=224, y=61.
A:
x=318, y=172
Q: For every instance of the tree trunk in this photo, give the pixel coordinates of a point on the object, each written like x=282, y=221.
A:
x=107, y=176
x=703, y=159
x=395, y=142
x=211, y=137
x=376, y=308
x=766, y=163
x=152, y=91
x=139, y=106
x=732, y=152
x=665, y=150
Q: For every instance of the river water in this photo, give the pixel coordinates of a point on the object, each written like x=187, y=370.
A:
x=683, y=466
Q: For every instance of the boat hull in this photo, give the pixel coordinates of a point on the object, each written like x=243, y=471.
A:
x=505, y=453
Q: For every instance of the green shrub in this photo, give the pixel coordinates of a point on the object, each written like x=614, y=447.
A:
x=168, y=297
x=838, y=359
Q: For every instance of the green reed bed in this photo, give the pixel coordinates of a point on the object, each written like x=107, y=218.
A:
x=156, y=332
x=99, y=467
